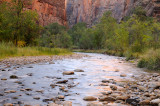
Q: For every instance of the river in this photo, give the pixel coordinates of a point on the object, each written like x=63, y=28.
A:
x=39, y=77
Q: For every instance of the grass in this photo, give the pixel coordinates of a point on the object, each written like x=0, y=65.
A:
x=89, y=51
x=150, y=60
x=9, y=50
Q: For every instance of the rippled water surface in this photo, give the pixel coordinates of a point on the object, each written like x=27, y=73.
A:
x=97, y=67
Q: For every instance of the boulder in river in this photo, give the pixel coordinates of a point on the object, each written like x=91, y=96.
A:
x=155, y=101
x=123, y=75
x=68, y=72
x=106, y=81
x=107, y=98
x=60, y=97
x=4, y=79
x=94, y=104
x=78, y=70
x=90, y=98
x=67, y=103
x=145, y=102
x=132, y=101
x=62, y=81
x=122, y=97
x=113, y=87
x=13, y=77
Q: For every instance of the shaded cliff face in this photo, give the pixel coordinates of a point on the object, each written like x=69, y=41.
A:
x=70, y=12
x=90, y=11
x=50, y=11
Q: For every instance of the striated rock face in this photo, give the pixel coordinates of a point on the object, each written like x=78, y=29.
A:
x=50, y=11
x=70, y=12
x=90, y=11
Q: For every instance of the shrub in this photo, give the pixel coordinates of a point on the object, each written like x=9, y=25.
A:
x=150, y=60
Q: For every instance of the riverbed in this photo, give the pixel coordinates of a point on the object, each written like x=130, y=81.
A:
x=42, y=83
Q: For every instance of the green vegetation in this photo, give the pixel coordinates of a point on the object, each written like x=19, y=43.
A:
x=55, y=35
x=9, y=50
x=151, y=60
x=20, y=33
x=136, y=36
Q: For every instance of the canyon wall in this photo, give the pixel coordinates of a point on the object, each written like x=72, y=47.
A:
x=50, y=11
x=90, y=11
x=70, y=12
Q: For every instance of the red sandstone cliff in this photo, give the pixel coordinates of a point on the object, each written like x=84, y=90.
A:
x=70, y=12
x=50, y=11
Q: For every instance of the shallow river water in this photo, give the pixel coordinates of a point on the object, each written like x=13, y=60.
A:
x=39, y=77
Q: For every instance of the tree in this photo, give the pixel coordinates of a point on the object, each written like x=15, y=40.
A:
x=18, y=24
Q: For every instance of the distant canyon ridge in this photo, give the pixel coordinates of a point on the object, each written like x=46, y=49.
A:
x=70, y=12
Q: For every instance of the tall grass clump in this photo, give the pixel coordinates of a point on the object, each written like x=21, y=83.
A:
x=150, y=60
x=9, y=50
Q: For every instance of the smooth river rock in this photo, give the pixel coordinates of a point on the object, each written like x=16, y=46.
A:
x=68, y=73
x=90, y=98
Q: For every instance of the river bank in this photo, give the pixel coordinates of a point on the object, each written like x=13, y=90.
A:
x=83, y=79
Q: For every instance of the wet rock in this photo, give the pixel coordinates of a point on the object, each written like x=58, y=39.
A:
x=1, y=94
x=37, y=98
x=3, y=70
x=113, y=87
x=28, y=89
x=116, y=70
x=122, y=98
x=22, y=89
x=30, y=74
x=18, y=82
x=8, y=104
x=62, y=88
x=90, y=98
x=47, y=100
x=121, y=89
x=53, y=104
x=155, y=101
x=155, y=75
x=107, y=98
x=51, y=62
x=119, y=101
x=104, y=84
x=132, y=101
x=4, y=79
x=29, y=67
x=68, y=73
x=141, y=88
x=154, y=85
x=60, y=97
x=78, y=70
x=106, y=81
x=62, y=81
x=123, y=75
x=11, y=91
x=94, y=104
x=53, y=85
x=67, y=103
x=107, y=93
x=13, y=77
x=14, y=97
x=145, y=102
x=40, y=91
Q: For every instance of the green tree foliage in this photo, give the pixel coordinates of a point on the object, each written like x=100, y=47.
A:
x=76, y=33
x=55, y=35
x=17, y=24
